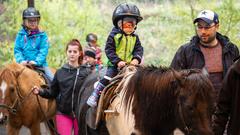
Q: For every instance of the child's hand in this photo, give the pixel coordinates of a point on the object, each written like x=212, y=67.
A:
x=24, y=63
x=134, y=62
x=32, y=62
x=121, y=64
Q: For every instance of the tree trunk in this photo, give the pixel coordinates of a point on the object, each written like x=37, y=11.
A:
x=30, y=3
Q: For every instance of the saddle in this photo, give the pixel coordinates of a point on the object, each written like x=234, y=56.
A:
x=41, y=72
x=95, y=115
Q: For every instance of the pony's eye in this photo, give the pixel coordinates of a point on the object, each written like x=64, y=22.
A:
x=11, y=88
x=191, y=108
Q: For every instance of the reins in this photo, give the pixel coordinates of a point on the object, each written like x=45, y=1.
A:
x=45, y=117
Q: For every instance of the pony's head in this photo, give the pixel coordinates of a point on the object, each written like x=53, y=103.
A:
x=8, y=92
x=14, y=86
x=195, y=102
x=163, y=99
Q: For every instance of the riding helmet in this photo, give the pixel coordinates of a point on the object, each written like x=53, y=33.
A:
x=91, y=37
x=124, y=10
x=30, y=12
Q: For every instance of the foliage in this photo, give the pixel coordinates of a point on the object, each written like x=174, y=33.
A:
x=166, y=25
x=6, y=53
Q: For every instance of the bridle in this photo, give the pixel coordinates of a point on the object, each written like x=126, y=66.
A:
x=18, y=101
x=186, y=126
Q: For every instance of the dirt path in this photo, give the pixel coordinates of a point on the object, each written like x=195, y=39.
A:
x=25, y=131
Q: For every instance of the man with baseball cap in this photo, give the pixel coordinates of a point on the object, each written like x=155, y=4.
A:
x=208, y=50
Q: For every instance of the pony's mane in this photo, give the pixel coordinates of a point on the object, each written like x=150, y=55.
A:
x=7, y=74
x=146, y=80
x=145, y=92
x=153, y=93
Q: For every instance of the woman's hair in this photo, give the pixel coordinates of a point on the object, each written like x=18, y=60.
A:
x=75, y=42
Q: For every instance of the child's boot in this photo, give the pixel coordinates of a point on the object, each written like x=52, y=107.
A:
x=93, y=99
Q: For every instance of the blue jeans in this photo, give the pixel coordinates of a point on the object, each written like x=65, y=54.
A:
x=111, y=72
x=48, y=73
x=93, y=99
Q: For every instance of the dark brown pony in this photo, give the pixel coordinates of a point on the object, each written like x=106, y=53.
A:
x=156, y=101
x=18, y=104
x=149, y=101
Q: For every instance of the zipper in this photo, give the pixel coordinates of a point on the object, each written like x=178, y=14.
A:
x=125, y=51
x=73, y=92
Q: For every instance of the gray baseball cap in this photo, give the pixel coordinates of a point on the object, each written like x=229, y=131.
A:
x=207, y=16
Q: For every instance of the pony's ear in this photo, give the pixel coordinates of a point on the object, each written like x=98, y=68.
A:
x=17, y=72
x=179, y=77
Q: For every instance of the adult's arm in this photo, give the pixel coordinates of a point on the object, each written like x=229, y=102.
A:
x=53, y=91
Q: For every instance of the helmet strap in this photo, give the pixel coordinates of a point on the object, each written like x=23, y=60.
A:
x=135, y=28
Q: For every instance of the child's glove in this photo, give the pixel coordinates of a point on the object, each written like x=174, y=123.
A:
x=121, y=64
x=134, y=62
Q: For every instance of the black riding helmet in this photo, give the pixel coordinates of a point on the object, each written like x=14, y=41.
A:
x=91, y=37
x=124, y=10
x=30, y=12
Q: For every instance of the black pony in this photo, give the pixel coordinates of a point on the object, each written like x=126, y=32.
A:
x=85, y=114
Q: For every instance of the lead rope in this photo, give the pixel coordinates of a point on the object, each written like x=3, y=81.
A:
x=45, y=117
x=50, y=126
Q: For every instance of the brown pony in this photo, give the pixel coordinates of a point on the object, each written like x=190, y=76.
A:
x=156, y=101
x=17, y=103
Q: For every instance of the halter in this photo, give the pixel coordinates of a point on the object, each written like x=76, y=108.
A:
x=187, y=127
x=20, y=99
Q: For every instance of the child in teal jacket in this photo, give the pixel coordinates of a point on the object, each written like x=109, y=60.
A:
x=31, y=44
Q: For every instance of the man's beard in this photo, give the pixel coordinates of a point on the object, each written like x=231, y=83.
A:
x=210, y=40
